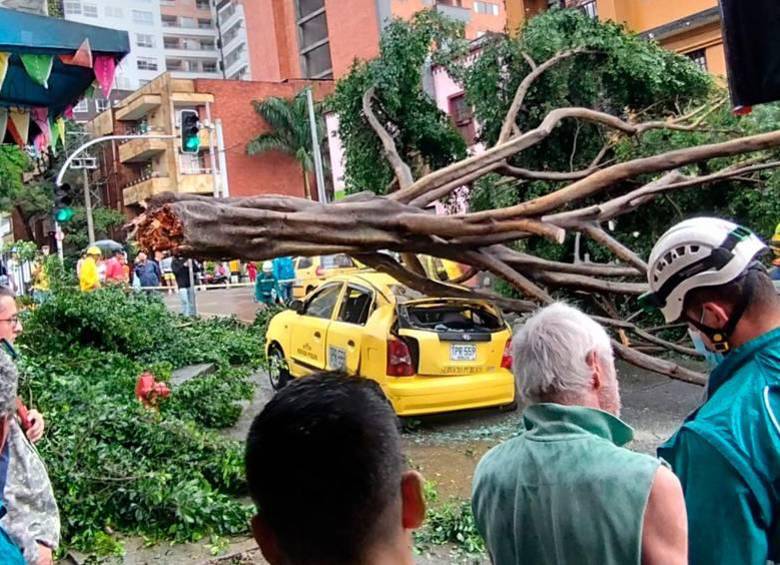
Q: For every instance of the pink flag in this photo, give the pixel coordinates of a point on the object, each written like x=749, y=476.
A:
x=105, y=68
x=41, y=118
x=81, y=58
x=68, y=112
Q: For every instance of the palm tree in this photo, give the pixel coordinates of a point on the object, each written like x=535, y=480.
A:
x=290, y=131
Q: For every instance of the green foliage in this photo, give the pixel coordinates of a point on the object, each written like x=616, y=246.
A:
x=423, y=134
x=13, y=163
x=118, y=467
x=106, y=220
x=290, y=132
x=452, y=522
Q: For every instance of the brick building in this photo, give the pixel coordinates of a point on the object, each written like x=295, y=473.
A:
x=130, y=172
x=249, y=175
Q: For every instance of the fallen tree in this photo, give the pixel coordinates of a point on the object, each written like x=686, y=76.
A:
x=581, y=202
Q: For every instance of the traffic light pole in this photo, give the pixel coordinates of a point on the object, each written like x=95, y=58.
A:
x=77, y=152
x=88, y=208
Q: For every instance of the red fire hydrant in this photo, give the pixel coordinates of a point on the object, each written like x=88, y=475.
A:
x=149, y=391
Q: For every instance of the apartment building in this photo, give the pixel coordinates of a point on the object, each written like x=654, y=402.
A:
x=133, y=171
x=690, y=27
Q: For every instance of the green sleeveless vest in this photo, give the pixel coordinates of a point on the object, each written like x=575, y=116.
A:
x=564, y=491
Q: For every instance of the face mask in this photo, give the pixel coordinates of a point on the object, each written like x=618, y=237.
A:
x=713, y=358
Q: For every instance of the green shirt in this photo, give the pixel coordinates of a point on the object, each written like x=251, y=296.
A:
x=727, y=456
x=564, y=491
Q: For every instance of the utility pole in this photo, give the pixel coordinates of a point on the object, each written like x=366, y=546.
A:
x=88, y=207
x=315, y=148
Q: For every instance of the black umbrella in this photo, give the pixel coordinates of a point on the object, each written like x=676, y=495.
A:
x=108, y=245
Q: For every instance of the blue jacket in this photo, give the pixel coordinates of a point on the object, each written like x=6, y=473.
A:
x=727, y=456
x=148, y=273
x=284, y=269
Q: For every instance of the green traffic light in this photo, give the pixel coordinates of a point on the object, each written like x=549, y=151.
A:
x=63, y=215
x=192, y=143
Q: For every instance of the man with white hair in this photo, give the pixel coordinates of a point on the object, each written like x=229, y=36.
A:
x=566, y=490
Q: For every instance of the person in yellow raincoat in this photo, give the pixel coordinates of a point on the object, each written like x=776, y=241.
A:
x=89, y=279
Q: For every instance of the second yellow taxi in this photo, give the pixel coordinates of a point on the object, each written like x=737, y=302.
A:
x=428, y=354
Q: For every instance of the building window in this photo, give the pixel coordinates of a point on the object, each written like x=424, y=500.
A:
x=90, y=10
x=102, y=104
x=143, y=17
x=185, y=21
x=209, y=66
x=144, y=40
x=82, y=106
x=463, y=117
x=72, y=7
x=485, y=8
x=204, y=23
x=171, y=42
x=699, y=58
x=113, y=11
x=202, y=4
x=169, y=21
x=234, y=55
x=146, y=64
x=313, y=42
x=587, y=7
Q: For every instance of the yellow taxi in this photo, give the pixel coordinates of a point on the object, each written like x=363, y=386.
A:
x=311, y=271
x=428, y=354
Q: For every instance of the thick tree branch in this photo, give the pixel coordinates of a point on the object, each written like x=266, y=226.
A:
x=621, y=251
x=402, y=171
x=525, y=85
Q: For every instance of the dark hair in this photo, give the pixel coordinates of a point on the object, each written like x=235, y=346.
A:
x=755, y=285
x=323, y=463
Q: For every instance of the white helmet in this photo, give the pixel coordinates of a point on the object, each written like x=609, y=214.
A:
x=268, y=267
x=697, y=253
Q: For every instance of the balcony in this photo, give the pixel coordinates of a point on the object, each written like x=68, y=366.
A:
x=140, y=150
x=145, y=187
x=201, y=183
x=453, y=10
x=191, y=52
x=140, y=107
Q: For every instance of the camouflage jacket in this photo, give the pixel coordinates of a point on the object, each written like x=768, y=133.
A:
x=33, y=516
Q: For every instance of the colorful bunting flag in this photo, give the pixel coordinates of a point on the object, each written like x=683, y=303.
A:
x=68, y=111
x=19, y=125
x=81, y=58
x=38, y=67
x=3, y=122
x=3, y=67
x=41, y=118
x=105, y=69
x=61, y=130
x=53, y=136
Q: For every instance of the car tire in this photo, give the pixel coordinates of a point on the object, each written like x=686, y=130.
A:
x=278, y=372
x=512, y=406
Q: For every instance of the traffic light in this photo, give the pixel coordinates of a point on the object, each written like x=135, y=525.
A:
x=190, y=126
x=63, y=200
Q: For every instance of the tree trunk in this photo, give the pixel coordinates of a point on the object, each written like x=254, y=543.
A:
x=306, y=185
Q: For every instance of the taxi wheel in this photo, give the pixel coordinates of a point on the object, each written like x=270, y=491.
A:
x=512, y=406
x=278, y=372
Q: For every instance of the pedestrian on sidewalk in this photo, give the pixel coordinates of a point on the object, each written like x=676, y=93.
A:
x=566, y=491
x=284, y=271
x=147, y=270
x=89, y=276
x=266, y=286
x=251, y=271
x=181, y=270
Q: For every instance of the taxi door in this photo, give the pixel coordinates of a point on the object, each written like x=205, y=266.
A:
x=311, y=328
x=345, y=334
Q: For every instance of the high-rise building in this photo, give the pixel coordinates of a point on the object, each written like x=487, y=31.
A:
x=322, y=38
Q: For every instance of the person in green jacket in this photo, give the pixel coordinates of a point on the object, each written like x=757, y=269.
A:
x=266, y=286
x=566, y=490
x=706, y=272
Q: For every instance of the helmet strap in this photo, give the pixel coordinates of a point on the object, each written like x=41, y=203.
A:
x=720, y=337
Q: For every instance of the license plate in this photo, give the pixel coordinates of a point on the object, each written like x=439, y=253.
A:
x=460, y=352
